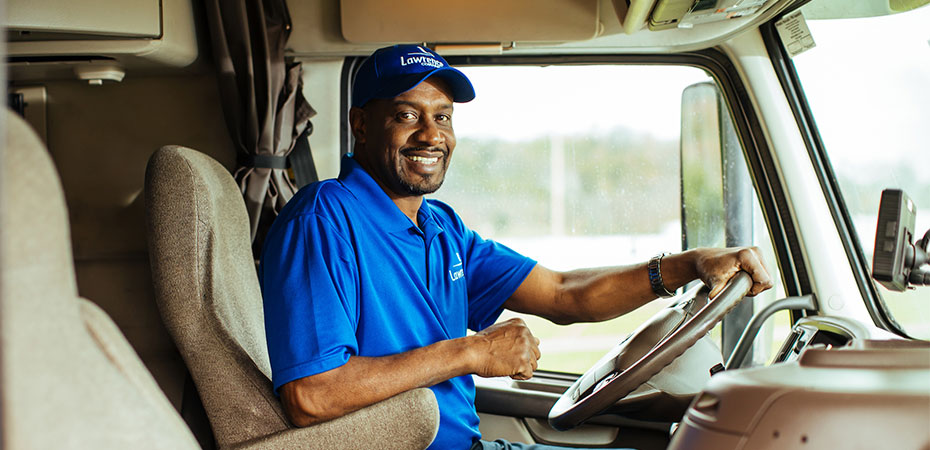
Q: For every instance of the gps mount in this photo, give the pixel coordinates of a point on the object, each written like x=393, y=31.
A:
x=899, y=262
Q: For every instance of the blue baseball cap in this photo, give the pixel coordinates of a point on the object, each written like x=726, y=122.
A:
x=391, y=71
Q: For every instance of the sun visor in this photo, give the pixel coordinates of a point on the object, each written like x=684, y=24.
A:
x=378, y=21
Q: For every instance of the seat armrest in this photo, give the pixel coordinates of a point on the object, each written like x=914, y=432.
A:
x=406, y=421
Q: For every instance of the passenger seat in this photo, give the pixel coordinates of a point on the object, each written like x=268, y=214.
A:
x=70, y=380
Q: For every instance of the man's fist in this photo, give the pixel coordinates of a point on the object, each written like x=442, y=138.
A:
x=715, y=267
x=505, y=349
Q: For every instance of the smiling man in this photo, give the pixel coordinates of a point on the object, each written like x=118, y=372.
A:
x=370, y=288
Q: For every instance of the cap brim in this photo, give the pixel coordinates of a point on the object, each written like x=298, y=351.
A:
x=462, y=89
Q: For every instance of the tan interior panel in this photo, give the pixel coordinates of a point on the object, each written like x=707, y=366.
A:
x=138, y=18
x=100, y=138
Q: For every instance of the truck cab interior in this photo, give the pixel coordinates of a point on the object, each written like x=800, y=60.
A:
x=149, y=143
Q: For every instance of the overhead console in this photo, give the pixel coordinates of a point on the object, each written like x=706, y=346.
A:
x=524, y=20
x=336, y=28
x=97, y=40
x=667, y=14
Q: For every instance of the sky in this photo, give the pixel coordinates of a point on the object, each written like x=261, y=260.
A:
x=497, y=112
x=868, y=83
x=865, y=110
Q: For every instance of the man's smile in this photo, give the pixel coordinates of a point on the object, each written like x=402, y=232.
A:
x=423, y=159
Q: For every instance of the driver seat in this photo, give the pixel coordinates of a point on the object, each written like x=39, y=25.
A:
x=208, y=294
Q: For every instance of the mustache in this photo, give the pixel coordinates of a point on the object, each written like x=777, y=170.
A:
x=444, y=151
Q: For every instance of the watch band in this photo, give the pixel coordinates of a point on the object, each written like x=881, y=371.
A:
x=655, y=276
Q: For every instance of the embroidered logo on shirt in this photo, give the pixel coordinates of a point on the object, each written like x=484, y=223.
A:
x=457, y=274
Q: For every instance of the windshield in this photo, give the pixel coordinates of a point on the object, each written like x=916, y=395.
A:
x=590, y=175
x=866, y=81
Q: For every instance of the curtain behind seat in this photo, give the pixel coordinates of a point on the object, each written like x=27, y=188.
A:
x=263, y=101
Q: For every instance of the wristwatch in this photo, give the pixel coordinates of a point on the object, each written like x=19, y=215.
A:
x=655, y=276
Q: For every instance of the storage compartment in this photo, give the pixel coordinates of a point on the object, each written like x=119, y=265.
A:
x=97, y=40
x=29, y=20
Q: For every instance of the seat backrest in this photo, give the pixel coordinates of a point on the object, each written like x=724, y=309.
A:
x=70, y=378
x=207, y=290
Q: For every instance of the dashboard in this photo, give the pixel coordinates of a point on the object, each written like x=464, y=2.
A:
x=835, y=383
x=824, y=332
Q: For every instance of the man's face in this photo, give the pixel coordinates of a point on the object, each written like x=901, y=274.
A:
x=406, y=142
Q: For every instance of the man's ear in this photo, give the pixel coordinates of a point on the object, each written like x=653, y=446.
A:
x=357, y=122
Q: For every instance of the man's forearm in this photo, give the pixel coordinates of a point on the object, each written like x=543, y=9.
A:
x=592, y=295
x=505, y=349
x=602, y=294
x=364, y=381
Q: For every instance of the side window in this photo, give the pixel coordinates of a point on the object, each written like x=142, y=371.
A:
x=881, y=142
x=582, y=166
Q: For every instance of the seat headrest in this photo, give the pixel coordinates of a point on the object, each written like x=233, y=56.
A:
x=35, y=239
x=201, y=251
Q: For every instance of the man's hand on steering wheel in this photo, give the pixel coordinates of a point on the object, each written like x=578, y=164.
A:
x=715, y=267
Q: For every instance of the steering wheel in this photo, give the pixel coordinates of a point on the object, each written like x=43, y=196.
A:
x=647, y=351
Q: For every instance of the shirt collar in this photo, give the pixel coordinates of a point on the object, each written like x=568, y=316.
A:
x=369, y=193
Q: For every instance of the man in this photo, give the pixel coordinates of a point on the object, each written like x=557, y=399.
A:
x=369, y=288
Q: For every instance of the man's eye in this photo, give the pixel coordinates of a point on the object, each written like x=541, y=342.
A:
x=406, y=116
x=444, y=118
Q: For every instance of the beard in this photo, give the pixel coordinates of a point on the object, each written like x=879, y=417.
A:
x=416, y=184
x=422, y=188
x=419, y=185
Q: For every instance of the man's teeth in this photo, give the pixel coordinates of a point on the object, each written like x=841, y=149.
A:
x=423, y=159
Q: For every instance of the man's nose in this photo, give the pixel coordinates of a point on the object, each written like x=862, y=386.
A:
x=429, y=133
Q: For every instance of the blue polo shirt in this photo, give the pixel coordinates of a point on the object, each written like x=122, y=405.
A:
x=344, y=272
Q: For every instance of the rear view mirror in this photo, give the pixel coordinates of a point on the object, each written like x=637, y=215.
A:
x=716, y=189
x=898, y=261
x=703, y=219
